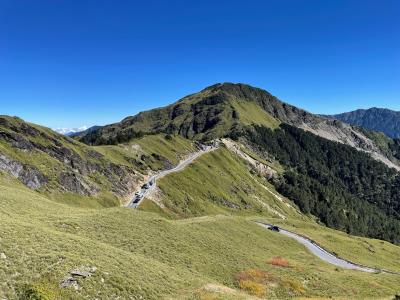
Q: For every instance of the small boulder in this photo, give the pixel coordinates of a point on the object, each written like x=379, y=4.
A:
x=69, y=282
x=78, y=273
x=3, y=256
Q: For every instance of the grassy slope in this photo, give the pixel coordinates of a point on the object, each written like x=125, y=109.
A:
x=216, y=181
x=208, y=114
x=171, y=150
x=370, y=252
x=198, y=179
x=252, y=113
x=142, y=254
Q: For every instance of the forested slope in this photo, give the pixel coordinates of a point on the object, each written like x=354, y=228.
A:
x=346, y=189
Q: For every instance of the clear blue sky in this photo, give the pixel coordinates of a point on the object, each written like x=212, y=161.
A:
x=73, y=63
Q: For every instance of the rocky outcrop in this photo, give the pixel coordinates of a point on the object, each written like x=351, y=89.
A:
x=30, y=176
x=80, y=169
x=72, y=280
x=16, y=140
x=209, y=114
x=259, y=167
x=75, y=183
x=346, y=134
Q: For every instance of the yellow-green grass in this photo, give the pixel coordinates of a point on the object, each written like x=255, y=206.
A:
x=216, y=173
x=251, y=113
x=365, y=251
x=139, y=254
x=174, y=148
x=219, y=183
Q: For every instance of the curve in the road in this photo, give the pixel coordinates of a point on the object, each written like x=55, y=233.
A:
x=152, y=181
x=325, y=255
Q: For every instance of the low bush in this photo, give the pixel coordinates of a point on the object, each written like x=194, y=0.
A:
x=279, y=261
x=253, y=288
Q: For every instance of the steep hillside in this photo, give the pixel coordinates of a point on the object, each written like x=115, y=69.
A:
x=55, y=164
x=346, y=189
x=376, y=119
x=65, y=235
x=140, y=255
x=217, y=110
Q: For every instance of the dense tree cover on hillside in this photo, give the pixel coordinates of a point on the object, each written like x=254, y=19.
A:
x=96, y=138
x=345, y=188
x=395, y=148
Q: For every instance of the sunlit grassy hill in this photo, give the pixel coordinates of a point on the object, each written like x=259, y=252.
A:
x=65, y=234
x=140, y=255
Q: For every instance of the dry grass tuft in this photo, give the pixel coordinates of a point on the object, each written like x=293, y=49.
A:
x=279, y=262
x=255, y=275
x=253, y=288
x=293, y=286
x=254, y=281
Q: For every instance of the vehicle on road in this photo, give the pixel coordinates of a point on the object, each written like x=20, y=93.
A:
x=274, y=228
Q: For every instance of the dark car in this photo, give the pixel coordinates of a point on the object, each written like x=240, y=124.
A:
x=274, y=228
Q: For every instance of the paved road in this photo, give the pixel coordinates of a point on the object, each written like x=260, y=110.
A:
x=152, y=181
x=325, y=255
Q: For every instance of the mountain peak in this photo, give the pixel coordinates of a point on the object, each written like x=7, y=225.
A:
x=240, y=90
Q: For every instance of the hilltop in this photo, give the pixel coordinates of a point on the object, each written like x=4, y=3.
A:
x=220, y=109
x=194, y=236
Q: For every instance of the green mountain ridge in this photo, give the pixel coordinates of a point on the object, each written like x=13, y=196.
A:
x=219, y=109
x=194, y=237
x=55, y=164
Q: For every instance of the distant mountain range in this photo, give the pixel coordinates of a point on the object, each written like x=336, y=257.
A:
x=71, y=132
x=377, y=119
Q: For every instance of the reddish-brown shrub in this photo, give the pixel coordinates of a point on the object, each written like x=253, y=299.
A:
x=279, y=261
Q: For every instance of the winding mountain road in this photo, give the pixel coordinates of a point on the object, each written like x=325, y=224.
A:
x=152, y=181
x=313, y=247
x=324, y=254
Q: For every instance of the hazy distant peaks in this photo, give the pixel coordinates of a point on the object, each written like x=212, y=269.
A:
x=68, y=131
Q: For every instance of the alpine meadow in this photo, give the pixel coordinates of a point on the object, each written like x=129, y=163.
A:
x=200, y=150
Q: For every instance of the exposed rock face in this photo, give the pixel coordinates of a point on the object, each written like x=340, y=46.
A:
x=209, y=114
x=74, y=275
x=261, y=168
x=343, y=133
x=30, y=176
x=16, y=140
x=78, y=172
x=75, y=183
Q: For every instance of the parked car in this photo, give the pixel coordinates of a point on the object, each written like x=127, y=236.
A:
x=274, y=228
